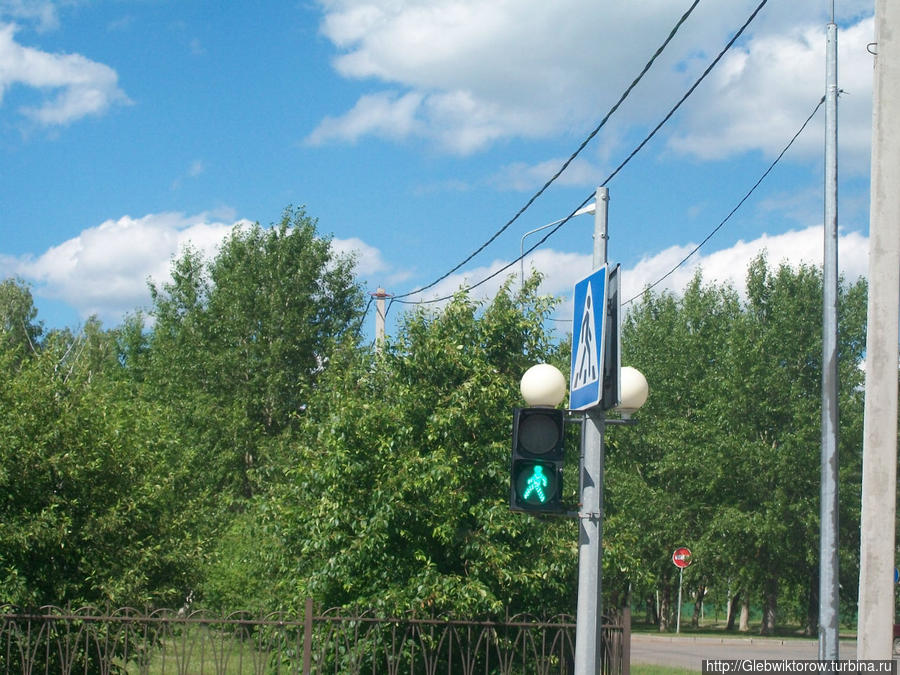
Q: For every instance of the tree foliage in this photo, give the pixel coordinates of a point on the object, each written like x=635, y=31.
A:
x=128, y=455
x=243, y=447
x=398, y=498
x=18, y=329
x=727, y=458
x=88, y=480
x=239, y=340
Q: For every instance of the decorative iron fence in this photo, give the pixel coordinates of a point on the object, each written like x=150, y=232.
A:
x=55, y=640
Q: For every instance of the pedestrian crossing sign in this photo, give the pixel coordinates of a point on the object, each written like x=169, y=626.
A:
x=586, y=377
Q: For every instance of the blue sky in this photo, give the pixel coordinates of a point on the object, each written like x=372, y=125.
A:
x=414, y=131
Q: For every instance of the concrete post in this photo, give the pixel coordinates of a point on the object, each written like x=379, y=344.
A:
x=879, y=481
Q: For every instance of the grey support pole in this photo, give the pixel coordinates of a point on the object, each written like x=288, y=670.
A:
x=379, y=296
x=678, y=610
x=879, y=480
x=588, y=619
x=828, y=534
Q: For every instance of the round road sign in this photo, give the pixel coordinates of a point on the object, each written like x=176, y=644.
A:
x=682, y=557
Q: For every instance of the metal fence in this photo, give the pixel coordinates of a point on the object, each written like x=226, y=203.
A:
x=56, y=640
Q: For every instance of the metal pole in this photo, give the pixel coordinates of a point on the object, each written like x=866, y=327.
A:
x=678, y=608
x=588, y=619
x=828, y=535
x=879, y=480
x=601, y=226
x=580, y=212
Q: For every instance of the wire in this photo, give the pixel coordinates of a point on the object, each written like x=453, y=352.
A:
x=735, y=209
x=571, y=158
x=362, y=317
x=690, y=91
x=502, y=269
x=634, y=152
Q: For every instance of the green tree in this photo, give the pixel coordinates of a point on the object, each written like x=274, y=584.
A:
x=239, y=341
x=727, y=454
x=398, y=496
x=18, y=329
x=661, y=493
x=774, y=401
x=89, y=508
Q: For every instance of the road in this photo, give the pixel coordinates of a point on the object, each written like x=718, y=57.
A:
x=688, y=652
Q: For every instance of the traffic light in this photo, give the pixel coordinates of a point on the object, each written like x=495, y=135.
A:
x=611, y=389
x=537, y=460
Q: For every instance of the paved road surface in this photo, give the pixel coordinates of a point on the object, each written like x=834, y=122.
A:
x=688, y=652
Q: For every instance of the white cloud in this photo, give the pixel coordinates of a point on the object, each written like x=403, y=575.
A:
x=483, y=71
x=371, y=268
x=73, y=85
x=384, y=114
x=105, y=269
x=730, y=265
x=197, y=167
x=727, y=266
x=463, y=280
x=524, y=177
x=472, y=73
x=123, y=23
x=369, y=260
x=745, y=108
x=42, y=13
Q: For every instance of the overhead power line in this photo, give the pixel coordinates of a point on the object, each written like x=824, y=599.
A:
x=732, y=212
x=735, y=209
x=630, y=156
x=362, y=318
x=566, y=164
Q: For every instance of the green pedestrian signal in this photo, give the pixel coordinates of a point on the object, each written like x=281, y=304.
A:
x=537, y=460
x=536, y=483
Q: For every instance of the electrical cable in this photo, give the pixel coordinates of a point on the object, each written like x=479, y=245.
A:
x=502, y=269
x=735, y=209
x=571, y=158
x=362, y=317
x=690, y=91
x=706, y=239
x=631, y=155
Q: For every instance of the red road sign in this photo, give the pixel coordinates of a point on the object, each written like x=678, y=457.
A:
x=682, y=557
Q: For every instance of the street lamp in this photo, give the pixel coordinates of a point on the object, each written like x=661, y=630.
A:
x=634, y=391
x=543, y=385
x=590, y=208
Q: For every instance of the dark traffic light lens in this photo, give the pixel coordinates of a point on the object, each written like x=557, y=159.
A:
x=539, y=434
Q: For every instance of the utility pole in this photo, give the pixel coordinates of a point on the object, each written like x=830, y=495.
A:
x=588, y=619
x=879, y=480
x=379, y=296
x=828, y=527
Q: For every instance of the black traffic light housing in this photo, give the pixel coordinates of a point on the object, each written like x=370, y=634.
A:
x=611, y=386
x=536, y=469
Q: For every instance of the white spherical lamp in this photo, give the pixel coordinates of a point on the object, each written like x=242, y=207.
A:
x=543, y=386
x=634, y=390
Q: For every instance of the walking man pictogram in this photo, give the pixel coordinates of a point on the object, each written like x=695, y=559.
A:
x=585, y=368
x=536, y=484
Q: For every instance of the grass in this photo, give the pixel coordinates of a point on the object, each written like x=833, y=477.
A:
x=201, y=650
x=641, y=669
